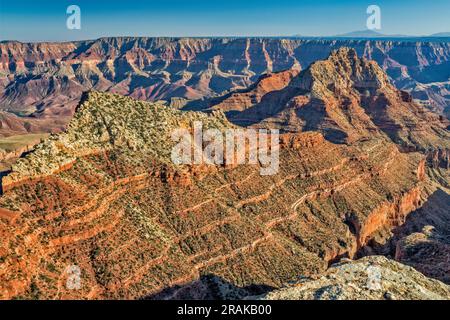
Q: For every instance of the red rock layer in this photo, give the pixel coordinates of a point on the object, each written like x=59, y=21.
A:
x=135, y=230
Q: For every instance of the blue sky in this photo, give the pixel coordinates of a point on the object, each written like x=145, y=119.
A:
x=27, y=20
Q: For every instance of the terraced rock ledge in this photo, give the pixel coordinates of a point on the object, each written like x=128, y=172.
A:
x=104, y=197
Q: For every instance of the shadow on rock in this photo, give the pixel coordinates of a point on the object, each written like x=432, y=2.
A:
x=209, y=287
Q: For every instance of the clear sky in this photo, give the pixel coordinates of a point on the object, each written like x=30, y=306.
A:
x=28, y=20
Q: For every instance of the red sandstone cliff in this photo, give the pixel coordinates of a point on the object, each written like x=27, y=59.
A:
x=121, y=214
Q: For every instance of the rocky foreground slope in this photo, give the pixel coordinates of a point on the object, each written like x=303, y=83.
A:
x=104, y=197
x=46, y=80
x=371, y=278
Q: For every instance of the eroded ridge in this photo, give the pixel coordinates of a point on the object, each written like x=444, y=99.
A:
x=121, y=215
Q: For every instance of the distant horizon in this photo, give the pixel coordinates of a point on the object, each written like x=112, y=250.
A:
x=342, y=37
x=45, y=20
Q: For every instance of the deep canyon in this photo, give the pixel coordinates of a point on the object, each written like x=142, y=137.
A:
x=364, y=158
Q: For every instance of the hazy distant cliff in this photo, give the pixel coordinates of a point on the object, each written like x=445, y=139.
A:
x=47, y=79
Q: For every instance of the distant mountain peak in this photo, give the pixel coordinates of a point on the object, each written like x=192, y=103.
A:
x=370, y=34
x=441, y=34
x=361, y=34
